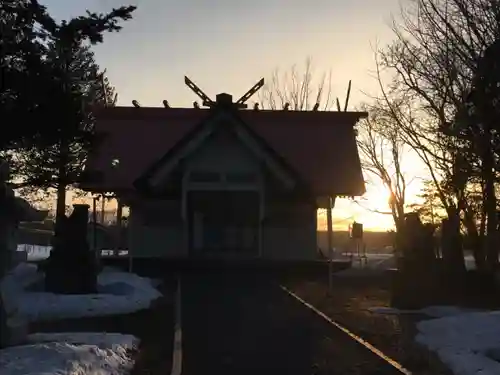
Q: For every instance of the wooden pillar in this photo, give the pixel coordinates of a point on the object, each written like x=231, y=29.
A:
x=184, y=213
x=103, y=207
x=329, y=223
x=94, y=227
x=119, y=212
x=130, y=228
x=118, y=228
x=261, y=216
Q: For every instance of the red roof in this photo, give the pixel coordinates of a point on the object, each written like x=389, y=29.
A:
x=319, y=145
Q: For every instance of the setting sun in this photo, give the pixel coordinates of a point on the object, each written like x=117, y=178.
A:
x=372, y=209
x=377, y=197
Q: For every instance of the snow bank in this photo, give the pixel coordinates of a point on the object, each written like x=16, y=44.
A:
x=467, y=343
x=34, y=253
x=120, y=293
x=84, y=353
x=70, y=354
x=466, y=340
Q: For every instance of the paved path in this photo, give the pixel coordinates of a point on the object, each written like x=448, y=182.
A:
x=242, y=324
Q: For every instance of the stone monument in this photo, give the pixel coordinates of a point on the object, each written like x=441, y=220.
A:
x=414, y=284
x=72, y=268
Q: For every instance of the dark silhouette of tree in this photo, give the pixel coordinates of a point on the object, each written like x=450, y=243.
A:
x=56, y=154
x=23, y=78
x=434, y=57
x=42, y=165
x=430, y=209
x=481, y=127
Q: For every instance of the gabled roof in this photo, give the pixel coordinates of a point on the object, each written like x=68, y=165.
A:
x=320, y=146
x=226, y=121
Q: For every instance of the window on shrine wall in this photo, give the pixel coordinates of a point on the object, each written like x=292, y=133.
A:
x=200, y=176
x=241, y=178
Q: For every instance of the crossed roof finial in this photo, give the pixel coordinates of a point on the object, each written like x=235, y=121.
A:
x=222, y=99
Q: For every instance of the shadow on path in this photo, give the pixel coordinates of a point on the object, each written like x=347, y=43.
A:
x=244, y=324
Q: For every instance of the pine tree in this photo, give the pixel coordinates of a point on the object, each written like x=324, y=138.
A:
x=56, y=162
x=23, y=78
x=56, y=156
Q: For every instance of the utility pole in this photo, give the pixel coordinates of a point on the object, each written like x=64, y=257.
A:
x=329, y=223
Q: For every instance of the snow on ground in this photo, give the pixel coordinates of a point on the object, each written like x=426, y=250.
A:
x=34, y=252
x=120, y=293
x=70, y=354
x=378, y=262
x=84, y=353
x=468, y=343
x=38, y=252
x=375, y=261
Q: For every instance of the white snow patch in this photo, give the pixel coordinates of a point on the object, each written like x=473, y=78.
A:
x=39, y=252
x=121, y=293
x=468, y=343
x=70, y=354
x=35, y=252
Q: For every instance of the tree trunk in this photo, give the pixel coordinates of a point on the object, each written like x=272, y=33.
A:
x=475, y=240
x=453, y=254
x=61, y=200
x=490, y=202
x=491, y=241
x=62, y=178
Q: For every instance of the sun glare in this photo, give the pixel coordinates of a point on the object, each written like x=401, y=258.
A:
x=377, y=197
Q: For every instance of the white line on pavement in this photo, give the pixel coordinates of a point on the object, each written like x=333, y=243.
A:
x=366, y=344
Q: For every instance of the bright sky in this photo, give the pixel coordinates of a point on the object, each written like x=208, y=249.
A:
x=228, y=45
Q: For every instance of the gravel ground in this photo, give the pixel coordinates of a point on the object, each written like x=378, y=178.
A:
x=245, y=324
x=349, y=304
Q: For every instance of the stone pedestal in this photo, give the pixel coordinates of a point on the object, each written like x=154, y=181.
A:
x=13, y=328
x=4, y=332
x=18, y=330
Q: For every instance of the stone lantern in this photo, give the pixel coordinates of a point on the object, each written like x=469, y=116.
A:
x=13, y=209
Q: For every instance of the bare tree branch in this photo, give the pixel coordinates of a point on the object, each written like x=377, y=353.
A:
x=299, y=90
